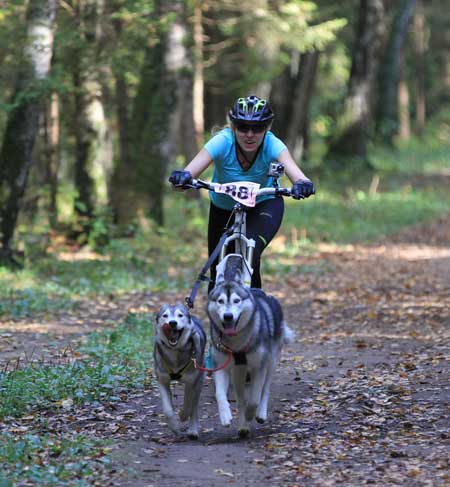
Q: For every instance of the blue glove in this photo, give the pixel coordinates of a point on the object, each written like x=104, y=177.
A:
x=303, y=188
x=180, y=178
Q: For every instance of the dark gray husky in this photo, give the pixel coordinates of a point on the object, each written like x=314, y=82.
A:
x=179, y=338
x=247, y=324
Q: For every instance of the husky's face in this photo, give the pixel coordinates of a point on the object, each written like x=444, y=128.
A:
x=230, y=307
x=173, y=325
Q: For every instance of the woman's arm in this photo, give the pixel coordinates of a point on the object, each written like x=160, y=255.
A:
x=293, y=172
x=200, y=162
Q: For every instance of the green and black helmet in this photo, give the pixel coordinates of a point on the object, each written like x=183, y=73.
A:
x=251, y=109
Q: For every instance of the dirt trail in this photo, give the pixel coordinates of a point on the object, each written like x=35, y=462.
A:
x=362, y=396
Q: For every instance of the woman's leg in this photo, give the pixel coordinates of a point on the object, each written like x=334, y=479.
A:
x=263, y=223
x=218, y=219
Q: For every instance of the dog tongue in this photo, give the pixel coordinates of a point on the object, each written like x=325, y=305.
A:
x=169, y=331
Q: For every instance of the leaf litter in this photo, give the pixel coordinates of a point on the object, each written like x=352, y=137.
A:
x=361, y=398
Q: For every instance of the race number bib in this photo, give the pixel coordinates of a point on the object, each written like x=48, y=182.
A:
x=243, y=192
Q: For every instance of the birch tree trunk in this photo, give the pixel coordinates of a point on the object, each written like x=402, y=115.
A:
x=419, y=56
x=52, y=154
x=162, y=125
x=198, y=96
x=404, y=120
x=22, y=125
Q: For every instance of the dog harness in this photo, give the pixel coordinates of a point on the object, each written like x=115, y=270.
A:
x=172, y=374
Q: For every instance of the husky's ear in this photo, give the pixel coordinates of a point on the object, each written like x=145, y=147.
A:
x=161, y=311
x=215, y=291
x=220, y=278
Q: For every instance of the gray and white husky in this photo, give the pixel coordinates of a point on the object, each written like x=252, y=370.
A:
x=179, y=338
x=249, y=325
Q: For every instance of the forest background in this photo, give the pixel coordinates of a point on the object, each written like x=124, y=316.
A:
x=101, y=99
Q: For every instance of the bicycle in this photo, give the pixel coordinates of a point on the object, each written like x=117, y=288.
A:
x=244, y=193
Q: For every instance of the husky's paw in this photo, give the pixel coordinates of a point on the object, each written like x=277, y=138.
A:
x=192, y=433
x=225, y=415
x=174, y=425
x=260, y=420
x=244, y=433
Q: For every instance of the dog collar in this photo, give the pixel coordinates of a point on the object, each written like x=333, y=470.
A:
x=240, y=357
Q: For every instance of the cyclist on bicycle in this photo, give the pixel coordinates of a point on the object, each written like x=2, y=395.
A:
x=243, y=152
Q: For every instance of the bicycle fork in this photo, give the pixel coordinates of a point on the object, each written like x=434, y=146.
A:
x=244, y=247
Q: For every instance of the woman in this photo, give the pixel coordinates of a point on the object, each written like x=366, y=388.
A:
x=243, y=152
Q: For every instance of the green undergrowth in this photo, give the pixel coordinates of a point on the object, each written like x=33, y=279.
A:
x=50, y=460
x=357, y=216
x=109, y=362
x=107, y=366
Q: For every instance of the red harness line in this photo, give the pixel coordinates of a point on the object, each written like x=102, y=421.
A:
x=227, y=360
x=205, y=369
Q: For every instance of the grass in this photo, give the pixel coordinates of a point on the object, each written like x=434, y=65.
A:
x=426, y=156
x=48, y=460
x=363, y=217
x=109, y=363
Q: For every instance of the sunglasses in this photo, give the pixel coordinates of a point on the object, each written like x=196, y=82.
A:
x=245, y=127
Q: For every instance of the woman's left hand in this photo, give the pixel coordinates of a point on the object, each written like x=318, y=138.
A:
x=303, y=188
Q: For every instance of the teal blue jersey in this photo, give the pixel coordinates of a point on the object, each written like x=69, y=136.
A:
x=222, y=149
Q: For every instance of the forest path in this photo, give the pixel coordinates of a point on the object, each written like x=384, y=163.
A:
x=361, y=397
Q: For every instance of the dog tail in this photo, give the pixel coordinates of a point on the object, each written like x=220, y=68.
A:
x=288, y=335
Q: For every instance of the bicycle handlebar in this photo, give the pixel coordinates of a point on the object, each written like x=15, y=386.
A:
x=209, y=185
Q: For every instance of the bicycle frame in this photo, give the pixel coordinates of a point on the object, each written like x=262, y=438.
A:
x=244, y=246
x=245, y=195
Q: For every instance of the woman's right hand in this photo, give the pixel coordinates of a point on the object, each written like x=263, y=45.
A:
x=180, y=178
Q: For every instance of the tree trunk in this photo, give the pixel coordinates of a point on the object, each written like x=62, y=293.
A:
x=404, y=129
x=387, y=113
x=163, y=109
x=123, y=199
x=93, y=152
x=298, y=126
x=52, y=156
x=154, y=101
x=419, y=56
x=22, y=123
x=198, y=108
x=84, y=136
x=282, y=94
x=181, y=71
x=352, y=132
